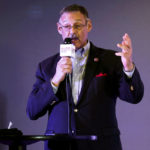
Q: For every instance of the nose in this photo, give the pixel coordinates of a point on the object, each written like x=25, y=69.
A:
x=72, y=30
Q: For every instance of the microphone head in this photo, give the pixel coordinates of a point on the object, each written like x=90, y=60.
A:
x=67, y=41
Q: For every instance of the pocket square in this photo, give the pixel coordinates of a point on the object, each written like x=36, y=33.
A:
x=101, y=75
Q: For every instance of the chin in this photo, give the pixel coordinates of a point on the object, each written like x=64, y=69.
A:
x=77, y=46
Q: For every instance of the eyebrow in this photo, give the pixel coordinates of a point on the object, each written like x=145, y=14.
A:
x=78, y=20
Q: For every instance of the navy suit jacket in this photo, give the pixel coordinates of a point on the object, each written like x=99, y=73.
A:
x=95, y=112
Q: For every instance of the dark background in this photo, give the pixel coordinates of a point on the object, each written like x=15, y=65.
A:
x=28, y=35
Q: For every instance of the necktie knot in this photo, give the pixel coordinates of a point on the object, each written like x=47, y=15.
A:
x=80, y=52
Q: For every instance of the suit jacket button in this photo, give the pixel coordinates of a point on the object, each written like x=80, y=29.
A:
x=76, y=110
x=131, y=88
x=73, y=131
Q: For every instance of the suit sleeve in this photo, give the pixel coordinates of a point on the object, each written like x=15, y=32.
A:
x=42, y=97
x=131, y=89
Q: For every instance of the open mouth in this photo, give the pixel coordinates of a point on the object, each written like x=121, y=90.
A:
x=74, y=39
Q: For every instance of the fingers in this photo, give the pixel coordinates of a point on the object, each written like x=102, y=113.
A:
x=119, y=54
x=65, y=61
x=65, y=65
x=126, y=53
x=126, y=44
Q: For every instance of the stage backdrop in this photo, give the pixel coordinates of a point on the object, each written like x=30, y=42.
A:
x=28, y=35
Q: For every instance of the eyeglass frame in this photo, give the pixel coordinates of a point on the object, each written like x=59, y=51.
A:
x=77, y=27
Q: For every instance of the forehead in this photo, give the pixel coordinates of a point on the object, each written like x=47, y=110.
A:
x=71, y=17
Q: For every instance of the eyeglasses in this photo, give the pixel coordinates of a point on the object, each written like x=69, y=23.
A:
x=75, y=27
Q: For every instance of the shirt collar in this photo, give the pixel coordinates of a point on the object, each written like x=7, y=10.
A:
x=84, y=51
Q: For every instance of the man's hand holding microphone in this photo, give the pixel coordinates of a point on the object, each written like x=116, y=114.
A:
x=64, y=65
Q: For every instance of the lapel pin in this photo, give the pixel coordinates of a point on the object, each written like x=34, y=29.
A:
x=96, y=59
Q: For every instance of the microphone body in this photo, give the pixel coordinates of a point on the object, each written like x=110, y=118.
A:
x=67, y=48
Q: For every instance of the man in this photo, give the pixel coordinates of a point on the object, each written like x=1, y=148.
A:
x=97, y=78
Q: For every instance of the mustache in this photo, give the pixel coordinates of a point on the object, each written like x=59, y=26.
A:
x=74, y=37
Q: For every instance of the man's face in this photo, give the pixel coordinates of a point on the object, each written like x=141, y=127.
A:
x=74, y=25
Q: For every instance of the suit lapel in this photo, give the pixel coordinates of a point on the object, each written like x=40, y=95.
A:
x=91, y=66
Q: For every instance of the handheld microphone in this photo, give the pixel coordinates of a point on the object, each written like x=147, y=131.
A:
x=67, y=48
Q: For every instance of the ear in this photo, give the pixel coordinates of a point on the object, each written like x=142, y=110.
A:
x=59, y=28
x=89, y=25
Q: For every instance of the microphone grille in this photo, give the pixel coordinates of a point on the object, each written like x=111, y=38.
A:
x=68, y=41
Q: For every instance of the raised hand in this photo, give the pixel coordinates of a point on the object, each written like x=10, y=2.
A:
x=126, y=54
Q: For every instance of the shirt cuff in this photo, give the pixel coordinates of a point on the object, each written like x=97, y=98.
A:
x=129, y=73
x=55, y=88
